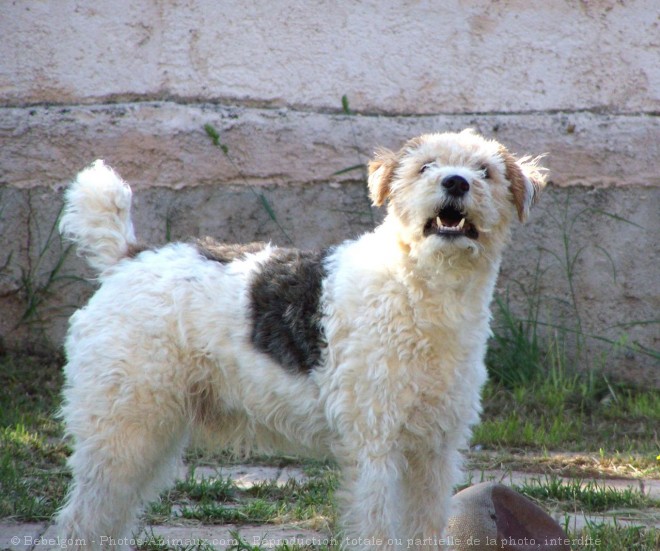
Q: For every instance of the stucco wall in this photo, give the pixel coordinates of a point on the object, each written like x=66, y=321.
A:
x=135, y=83
x=410, y=57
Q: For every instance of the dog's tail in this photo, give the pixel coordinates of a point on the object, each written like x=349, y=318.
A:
x=97, y=216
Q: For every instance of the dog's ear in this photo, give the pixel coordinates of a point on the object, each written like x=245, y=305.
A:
x=381, y=171
x=526, y=181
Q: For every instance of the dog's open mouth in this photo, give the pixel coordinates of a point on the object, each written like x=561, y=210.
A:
x=450, y=222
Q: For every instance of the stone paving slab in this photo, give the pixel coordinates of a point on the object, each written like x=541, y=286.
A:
x=218, y=536
x=289, y=473
x=20, y=537
x=222, y=537
x=247, y=476
x=578, y=521
x=42, y=537
x=244, y=476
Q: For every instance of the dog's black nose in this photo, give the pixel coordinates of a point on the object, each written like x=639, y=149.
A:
x=456, y=185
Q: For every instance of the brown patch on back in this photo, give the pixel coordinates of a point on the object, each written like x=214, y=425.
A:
x=225, y=253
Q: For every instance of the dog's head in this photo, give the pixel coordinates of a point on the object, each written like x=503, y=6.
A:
x=454, y=193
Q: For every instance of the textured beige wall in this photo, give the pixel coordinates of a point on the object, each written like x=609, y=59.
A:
x=404, y=57
x=135, y=82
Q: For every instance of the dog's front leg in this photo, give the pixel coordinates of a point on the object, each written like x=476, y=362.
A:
x=371, y=501
x=428, y=486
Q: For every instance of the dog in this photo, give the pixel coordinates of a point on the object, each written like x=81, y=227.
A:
x=370, y=352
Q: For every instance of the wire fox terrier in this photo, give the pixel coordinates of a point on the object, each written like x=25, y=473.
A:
x=370, y=352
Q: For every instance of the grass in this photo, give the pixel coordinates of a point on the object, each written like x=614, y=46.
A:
x=615, y=537
x=539, y=344
x=587, y=496
x=570, y=414
x=33, y=479
x=538, y=400
x=205, y=489
x=271, y=503
x=220, y=501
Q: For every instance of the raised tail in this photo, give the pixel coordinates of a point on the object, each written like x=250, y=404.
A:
x=97, y=216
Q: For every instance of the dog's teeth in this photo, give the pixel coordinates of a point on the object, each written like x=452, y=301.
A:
x=438, y=222
x=461, y=224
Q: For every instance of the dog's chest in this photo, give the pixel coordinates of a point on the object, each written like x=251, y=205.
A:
x=447, y=372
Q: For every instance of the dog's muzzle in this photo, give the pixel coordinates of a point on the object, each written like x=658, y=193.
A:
x=450, y=220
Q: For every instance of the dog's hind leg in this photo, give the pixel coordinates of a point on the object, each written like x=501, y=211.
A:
x=126, y=450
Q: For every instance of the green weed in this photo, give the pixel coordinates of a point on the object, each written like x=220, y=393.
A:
x=586, y=496
x=254, y=511
x=241, y=544
x=206, y=489
x=152, y=542
x=570, y=413
x=615, y=537
x=33, y=479
x=545, y=390
x=149, y=541
x=360, y=165
x=515, y=431
x=531, y=345
x=263, y=502
x=213, y=133
x=41, y=277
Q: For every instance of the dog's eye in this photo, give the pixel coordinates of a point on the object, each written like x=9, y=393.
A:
x=485, y=170
x=424, y=168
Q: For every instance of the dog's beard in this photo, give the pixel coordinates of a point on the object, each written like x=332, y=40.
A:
x=436, y=253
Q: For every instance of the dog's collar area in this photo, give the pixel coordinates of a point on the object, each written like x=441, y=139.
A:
x=450, y=222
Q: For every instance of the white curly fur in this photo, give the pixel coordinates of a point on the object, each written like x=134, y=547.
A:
x=97, y=216
x=163, y=349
